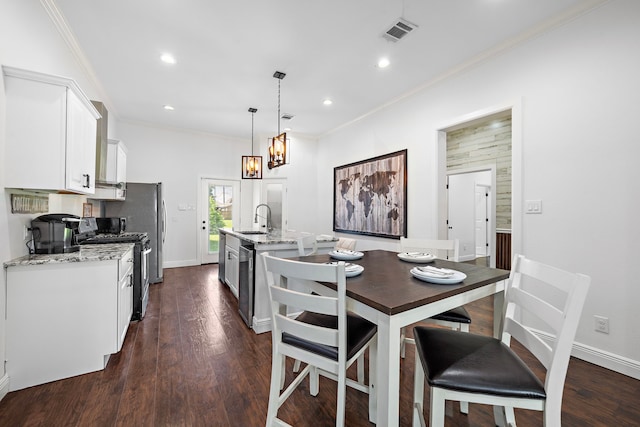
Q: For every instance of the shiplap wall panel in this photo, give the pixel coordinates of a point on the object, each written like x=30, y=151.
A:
x=481, y=144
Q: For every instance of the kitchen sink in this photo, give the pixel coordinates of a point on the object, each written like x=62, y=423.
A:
x=252, y=232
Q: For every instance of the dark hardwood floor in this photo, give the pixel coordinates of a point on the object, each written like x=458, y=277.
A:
x=193, y=362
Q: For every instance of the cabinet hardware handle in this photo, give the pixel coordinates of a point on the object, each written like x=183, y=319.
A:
x=86, y=180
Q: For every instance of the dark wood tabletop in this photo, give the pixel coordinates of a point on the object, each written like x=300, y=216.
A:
x=387, y=285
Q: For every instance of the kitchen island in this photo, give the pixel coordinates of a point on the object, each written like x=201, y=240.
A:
x=244, y=274
x=66, y=313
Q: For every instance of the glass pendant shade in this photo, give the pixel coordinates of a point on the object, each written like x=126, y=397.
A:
x=252, y=165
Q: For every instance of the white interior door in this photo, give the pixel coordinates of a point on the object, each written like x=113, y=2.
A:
x=219, y=207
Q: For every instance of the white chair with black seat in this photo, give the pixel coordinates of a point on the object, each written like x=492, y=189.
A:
x=324, y=336
x=483, y=369
x=457, y=318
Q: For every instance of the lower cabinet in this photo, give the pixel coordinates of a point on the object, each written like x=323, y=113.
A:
x=232, y=264
x=65, y=319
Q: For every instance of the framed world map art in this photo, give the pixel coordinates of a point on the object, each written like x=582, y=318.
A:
x=370, y=196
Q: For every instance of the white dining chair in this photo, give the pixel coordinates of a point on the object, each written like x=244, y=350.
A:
x=305, y=242
x=482, y=369
x=457, y=318
x=324, y=336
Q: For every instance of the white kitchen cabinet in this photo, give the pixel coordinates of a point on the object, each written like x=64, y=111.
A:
x=232, y=264
x=114, y=188
x=65, y=319
x=50, y=133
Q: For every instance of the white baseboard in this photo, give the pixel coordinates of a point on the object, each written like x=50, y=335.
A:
x=4, y=386
x=181, y=263
x=261, y=326
x=264, y=325
x=605, y=359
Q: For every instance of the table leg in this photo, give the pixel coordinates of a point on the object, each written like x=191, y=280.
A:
x=388, y=369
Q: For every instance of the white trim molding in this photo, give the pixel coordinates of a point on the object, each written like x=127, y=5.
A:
x=605, y=359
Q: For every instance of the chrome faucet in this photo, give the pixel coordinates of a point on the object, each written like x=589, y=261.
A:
x=269, y=225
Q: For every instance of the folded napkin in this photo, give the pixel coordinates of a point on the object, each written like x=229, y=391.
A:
x=417, y=254
x=436, y=271
x=347, y=267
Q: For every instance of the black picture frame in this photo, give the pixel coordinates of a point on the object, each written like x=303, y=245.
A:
x=370, y=196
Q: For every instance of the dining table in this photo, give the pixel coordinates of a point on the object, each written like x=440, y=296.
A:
x=387, y=294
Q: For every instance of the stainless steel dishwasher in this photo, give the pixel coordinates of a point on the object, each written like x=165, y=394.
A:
x=246, y=282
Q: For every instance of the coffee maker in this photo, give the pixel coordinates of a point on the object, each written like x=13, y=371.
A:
x=55, y=234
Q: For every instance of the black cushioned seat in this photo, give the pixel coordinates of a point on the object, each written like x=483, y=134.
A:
x=359, y=332
x=474, y=363
x=458, y=314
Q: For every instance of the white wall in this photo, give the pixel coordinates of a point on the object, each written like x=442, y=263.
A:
x=577, y=86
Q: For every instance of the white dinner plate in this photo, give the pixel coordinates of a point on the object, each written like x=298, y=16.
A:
x=350, y=270
x=420, y=257
x=456, y=277
x=345, y=255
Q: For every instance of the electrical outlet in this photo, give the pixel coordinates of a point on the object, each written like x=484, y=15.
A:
x=601, y=324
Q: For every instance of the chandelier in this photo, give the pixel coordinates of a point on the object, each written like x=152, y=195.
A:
x=278, y=144
x=252, y=165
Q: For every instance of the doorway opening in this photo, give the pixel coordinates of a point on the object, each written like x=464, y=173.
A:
x=219, y=208
x=483, y=141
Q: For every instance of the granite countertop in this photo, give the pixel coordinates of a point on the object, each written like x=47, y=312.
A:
x=103, y=252
x=275, y=237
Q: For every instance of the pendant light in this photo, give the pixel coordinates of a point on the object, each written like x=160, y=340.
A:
x=278, y=144
x=252, y=165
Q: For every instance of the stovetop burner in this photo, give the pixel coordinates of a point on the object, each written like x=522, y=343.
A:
x=129, y=236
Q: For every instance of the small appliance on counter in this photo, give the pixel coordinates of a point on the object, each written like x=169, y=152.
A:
x=111, y=225
x=54, y=234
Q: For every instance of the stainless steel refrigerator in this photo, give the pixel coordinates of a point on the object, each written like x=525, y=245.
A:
x=145, y=211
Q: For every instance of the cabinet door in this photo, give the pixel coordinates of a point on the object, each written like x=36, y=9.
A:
x=125, y=306
x=81, y=147
x=231, y=271
x=121, y=170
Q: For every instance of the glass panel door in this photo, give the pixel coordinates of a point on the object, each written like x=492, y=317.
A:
x=220, y=209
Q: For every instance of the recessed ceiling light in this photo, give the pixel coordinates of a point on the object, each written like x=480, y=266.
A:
x=383, y=63
x=168, y=58
x=168, y=107
x=327, y=102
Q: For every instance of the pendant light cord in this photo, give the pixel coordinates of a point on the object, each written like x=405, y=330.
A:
x=279, y=81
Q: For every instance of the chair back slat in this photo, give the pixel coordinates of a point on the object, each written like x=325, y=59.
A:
x=445, y=249
x=307, y=245
x=317, y=334
x=537, y=307
x=540, y=349
x=317, y=304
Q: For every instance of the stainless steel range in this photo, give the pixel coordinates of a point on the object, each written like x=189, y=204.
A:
x=141, y=251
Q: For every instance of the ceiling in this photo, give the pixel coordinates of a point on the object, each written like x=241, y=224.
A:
x=227, y=52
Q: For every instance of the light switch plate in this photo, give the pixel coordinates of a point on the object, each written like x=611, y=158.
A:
x=533, y=206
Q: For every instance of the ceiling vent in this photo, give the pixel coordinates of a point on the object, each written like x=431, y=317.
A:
x=286, y=116
x=399, y=29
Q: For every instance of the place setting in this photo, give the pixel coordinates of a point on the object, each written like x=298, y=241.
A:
x=438, y=275
x=350, y=270
x=345, y=254
x=417, y=257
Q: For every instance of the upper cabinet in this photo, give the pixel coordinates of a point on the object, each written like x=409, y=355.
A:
x=114, y=186
x=50, y=135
